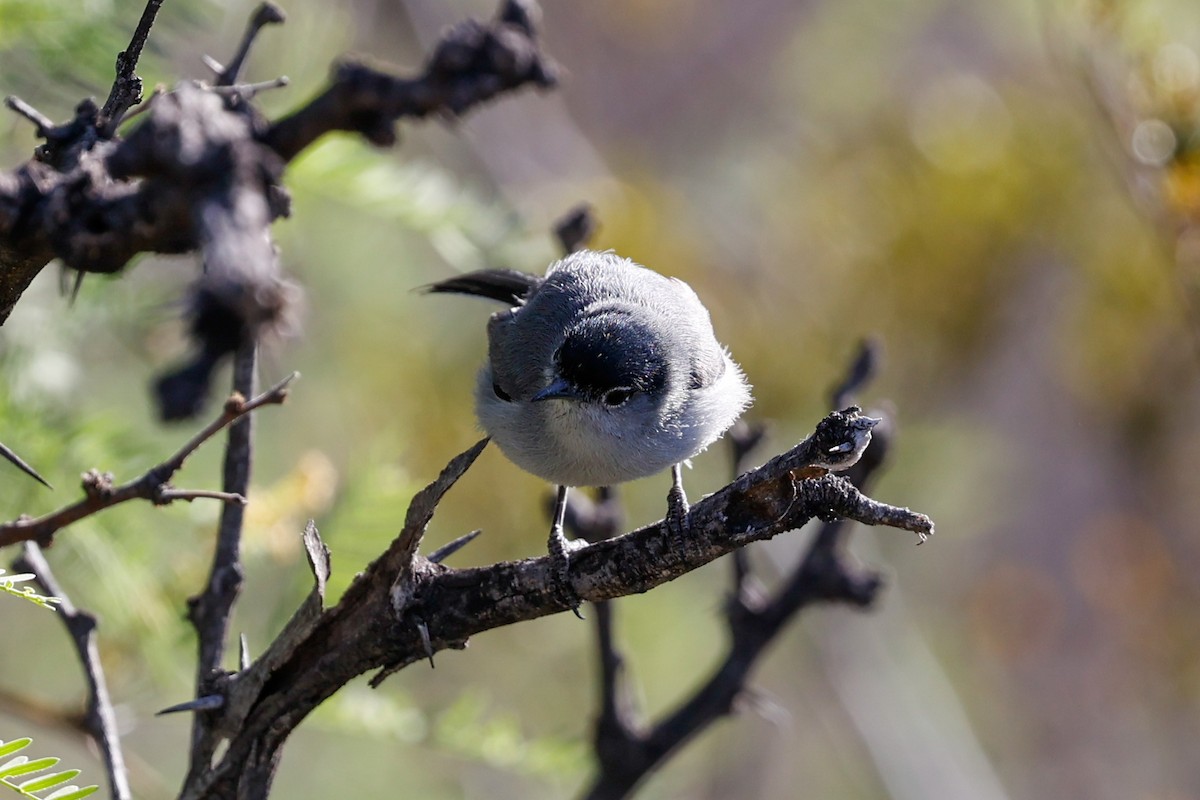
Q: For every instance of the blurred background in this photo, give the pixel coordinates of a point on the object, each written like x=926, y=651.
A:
x=1003, y=194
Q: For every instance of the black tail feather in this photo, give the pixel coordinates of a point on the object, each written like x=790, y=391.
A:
x=503, y=285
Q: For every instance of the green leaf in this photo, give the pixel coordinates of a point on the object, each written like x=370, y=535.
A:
x=21, y=765
x=72, y=793
x=25, y=766
x=15, y=746
x=16, y=762
x=27, y=593
x=37, y=784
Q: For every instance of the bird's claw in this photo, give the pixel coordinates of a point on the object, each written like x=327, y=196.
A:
x=676, y=521
x=560, y=557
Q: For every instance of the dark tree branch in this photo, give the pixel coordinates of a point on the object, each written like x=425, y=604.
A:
x=211, y=611
x=153, y=485
x=126, y=90
x=860, y=373
x=266, y=14
x=471, y=65
x=576, y=228
x=628, y=751
x=744, y=438
x=95, y=202
x=596, y=522
x=99, y=721
x=377, y=624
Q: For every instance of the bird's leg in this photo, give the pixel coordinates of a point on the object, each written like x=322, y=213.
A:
x=677, y=511
x=560, y=550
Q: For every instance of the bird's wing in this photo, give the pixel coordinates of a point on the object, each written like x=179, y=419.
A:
x=503, y=285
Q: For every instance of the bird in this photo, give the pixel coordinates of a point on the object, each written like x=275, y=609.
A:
x=601, y=371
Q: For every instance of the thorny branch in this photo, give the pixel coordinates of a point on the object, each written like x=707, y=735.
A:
x=154, y=485
x=203, y=171
x=95, y=214
x=211, y=611
x=99, y=721
x=374, y=626
x=627, y=751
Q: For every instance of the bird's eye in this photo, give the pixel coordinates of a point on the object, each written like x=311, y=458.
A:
x=503, y=395
x=617, y=396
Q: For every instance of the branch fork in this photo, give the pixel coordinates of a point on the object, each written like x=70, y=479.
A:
x=99, y=491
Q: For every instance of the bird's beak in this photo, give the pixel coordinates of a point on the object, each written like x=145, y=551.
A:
x=559, y=389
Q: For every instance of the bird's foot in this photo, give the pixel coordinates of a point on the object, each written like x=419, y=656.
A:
x=676, y=521
x=560, y=558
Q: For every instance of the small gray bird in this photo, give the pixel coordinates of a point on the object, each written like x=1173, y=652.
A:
x=599, y=373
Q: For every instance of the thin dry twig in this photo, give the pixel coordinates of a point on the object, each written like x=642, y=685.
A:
x=211, y=611
x=41, y=122
x=99, y=720
x=99, y=492
x=267, y=13
x=126, y=90
x=473, y=63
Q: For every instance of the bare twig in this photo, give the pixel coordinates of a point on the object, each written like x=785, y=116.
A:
x=576, y=228
x=99, y=492
x=266, y=14
x=596, y=522
x=861, y=371
x=744, y=438
x=99, y=721
x=41, y=123
x=211, y=610
x=248, y=90
x=472, y=64
x=188, y=495
x=126, y=90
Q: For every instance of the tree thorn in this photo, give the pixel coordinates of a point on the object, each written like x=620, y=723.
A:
x=209, y=702
x=450, y=548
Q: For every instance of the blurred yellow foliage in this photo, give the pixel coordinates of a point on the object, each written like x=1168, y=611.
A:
x=276, y=513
